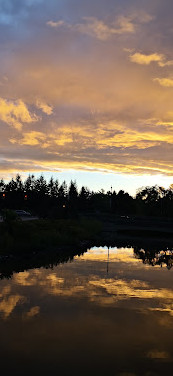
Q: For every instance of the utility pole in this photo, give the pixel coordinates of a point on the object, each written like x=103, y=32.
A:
x=111, y=200
x=108, y=262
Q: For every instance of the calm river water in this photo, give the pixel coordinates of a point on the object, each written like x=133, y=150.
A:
x=107, y=312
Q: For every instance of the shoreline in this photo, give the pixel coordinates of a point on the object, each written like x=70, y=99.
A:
x=109, y=234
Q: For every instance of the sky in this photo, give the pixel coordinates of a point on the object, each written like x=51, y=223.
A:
x=86, y=91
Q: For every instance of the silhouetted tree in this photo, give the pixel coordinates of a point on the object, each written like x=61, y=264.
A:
x=54, y=200
x=84, y=198
x=29, y=184
x=53, y=188
x=2, y=185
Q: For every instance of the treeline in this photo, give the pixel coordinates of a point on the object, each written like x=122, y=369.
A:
x=54, y=200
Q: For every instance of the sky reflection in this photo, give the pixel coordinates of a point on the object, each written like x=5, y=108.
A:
x=90, y=277
x=124, y=313
x=112, y=254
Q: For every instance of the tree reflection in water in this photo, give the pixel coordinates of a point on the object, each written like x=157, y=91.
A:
x=154, y=258
x=149, y=255
x=47, y=260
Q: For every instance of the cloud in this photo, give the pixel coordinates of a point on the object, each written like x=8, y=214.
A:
x=103, y=31
x=34, y=311
x=156, y=354
x=142, y=16
x=47, y=109
x=115, y=289
x=32, y=138
x=146, y=59
x=8, y=304
x=93, y=26
x=56, y=24
x=165, y=63
x=15, y=113
x=98, y=28
x=82, y=104
x=120, y=290
x=166, y=82
x=107, y=145
x=143, y=59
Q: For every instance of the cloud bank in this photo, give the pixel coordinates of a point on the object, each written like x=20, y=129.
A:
x=87, y=87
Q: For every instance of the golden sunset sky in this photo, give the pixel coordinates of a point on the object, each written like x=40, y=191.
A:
x=86, y=91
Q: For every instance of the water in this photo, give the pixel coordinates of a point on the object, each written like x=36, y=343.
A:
x=109, y=311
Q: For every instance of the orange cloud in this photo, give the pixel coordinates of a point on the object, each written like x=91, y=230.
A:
x=34, y=311
x=15, y=113
x=165, y=82
x=156, y=354
x=47, y=109
x=30, y=138
x=8, y=304
x=146, y=59
x=83, y=106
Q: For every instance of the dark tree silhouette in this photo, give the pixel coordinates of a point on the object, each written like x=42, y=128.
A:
x=51, y=199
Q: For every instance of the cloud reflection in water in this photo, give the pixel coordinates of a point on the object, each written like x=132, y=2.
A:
x=88, y=278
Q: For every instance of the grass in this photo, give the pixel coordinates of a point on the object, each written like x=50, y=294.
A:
x=17, y=237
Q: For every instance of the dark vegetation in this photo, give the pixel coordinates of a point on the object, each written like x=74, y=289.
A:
x=56, y=201
x=18, y=237
x=150, y=252
x=32, y=260
x=153, y=257
x=68, y=217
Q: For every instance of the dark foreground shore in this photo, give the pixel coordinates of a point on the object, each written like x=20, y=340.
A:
x=45, y=243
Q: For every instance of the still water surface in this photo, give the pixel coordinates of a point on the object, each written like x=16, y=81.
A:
x=107, y=312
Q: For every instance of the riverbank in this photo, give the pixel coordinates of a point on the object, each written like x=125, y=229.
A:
x=46, y=243
x=20, y=238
